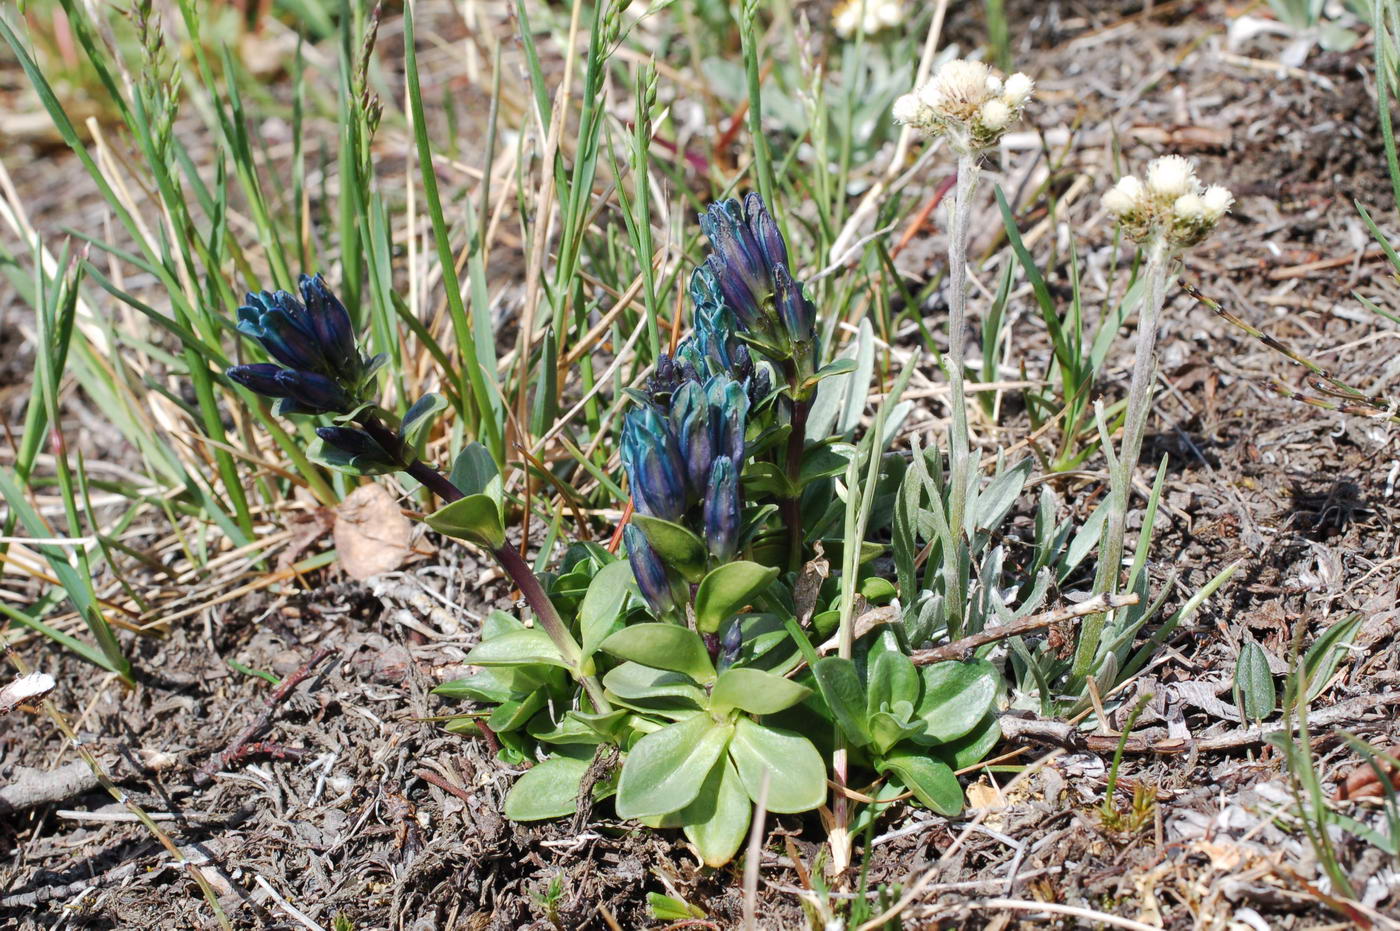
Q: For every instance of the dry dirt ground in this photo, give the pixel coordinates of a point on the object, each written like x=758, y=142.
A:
x=365, y=808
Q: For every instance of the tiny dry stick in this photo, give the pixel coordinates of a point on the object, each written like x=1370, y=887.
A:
x=1067, y=735
x=960, y=648
x=236, y=750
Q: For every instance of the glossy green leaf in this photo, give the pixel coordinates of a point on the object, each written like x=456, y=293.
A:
x=726, y=590
x=718, y=820
x=663, y=646
x=755, y=691
x=530, y=645
x=600, y=614
x=476, y=518
x=633, y=682
x=333, y=457
x=1254, y=683
x=931, y=781
x=889, y=728
x=418, y=420
x=845, y=695
x=547, y=790
x=797, y=775
x=824, y=461
x=956, y=696
x=474, y=472
x=973, y=747
x=665, y=770
x=514, y=714
x=678, y=547
x=891, y=678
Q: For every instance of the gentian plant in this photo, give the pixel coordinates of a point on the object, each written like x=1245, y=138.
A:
x=699, y=654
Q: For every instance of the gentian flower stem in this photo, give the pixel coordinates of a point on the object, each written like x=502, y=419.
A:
x=1134, y=426
x=792, y=507
x=959, y=452
x=510, y=561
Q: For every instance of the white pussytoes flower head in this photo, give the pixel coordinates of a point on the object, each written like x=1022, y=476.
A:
x=1189, y=206
x=907, y=109
x=1018, y=89
x=1171, y=209
x=846, y=20
x=1217, y=200
x=1171, y=176
x=890, y=13
x=967, y=102
x=996, y=115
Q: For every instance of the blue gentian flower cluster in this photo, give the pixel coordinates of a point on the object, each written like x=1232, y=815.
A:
x=321, y=370
x=749, y=271
x=683, y=458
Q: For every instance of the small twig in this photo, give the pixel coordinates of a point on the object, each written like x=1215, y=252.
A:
x=755, y=855
x=961, y=648
x=1067, y=735
x=243, y=745
x=428, y=775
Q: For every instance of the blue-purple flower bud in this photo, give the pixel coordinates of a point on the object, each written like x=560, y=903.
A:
x=279, y=322
x=730, y=646
x=662, y=591
x=796, y=312
x=691, y=419
x=655, y=470
x=312, y=393
x=260, y=378
x=352, y=442
x=729, y=410
x=331, y=324
x=765, y=232
x=723, y=510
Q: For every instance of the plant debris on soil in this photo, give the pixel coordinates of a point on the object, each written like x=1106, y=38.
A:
x=338, y=794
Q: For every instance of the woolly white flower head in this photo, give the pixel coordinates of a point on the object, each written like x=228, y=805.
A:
x=968, y=102
x=867, y=16
x=1171, y=176
x=1171, y=207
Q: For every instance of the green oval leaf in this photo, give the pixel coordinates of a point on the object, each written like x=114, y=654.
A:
x=755, y=691
x=845, y=695
x=956, y=696
x=893, y=678
x=635, y=682
x=600, y=614
x=515, y=648
x=931, y=781
x=547, y=790
x=797, y=775
x=663, y=646
x=727, y=589
x=718, y=820
x=678, y=547
x=974, y=746
x=474, y=472
x=476, y=518
x=665, y=770
x=1254, y=683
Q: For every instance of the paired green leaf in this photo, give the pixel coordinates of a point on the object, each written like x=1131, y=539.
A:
x=666, y=769
x=663, y=646
x=796, y=772
x=727, y=589
x=678, y=547
x=476, y=518
x=547, y=790
x=931, y=781
x=956, y=697
x=755, y=691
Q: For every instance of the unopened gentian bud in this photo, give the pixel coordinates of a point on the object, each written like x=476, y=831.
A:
x=331, y=323
x=729, y=409
x=690, y=418
x=655, y=471
x=259, y=377
x=730, y=646
x=659, y=588
x=312, y=393
x=723, y=510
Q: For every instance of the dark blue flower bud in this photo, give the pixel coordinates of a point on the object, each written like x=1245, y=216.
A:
x=730, y=646
x=279, y=322
x=351, y=441
x=690, y=418
x=765, y=232
x=736, y=294
x=796, y=312
x=312, y=393
x=729, y=404
x=662, y=591
x=735, y=246
x=655, y=471
x=260, y=377
x=330, y=321
x=723, y=511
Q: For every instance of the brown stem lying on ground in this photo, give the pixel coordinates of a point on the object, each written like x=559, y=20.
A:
x=243, y=746
x=959, y=649
x=1067, y=735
